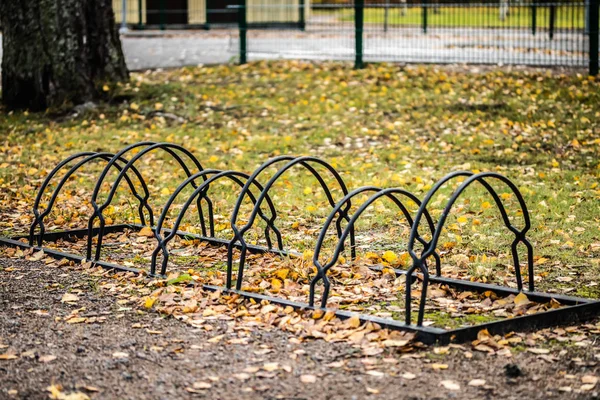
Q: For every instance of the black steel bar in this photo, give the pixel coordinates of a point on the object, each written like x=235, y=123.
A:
x=582, y=311
x=234, y=176
x=170, y=148
x=292, y=161
x=552, y=19
x=89, y=157
x=389, y=193
x=359, y=17
x=594, y=7
x=418, y=261
x=302, y=14
x=243, y=26
x=424, y=334
x=533, y=18
x=546, y=319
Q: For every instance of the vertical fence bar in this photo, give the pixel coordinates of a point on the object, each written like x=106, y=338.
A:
x=243, y=30
x=551, y=22
x=163, y=16
x=359, y=14
x=140, y=15
x=302, y=15
x=533, y=17
x=424, y=22
x=386, y=15
x=594, y=31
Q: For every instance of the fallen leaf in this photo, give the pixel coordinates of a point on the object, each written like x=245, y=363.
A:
x=120, y=354
x=538, y=351
x=147, y=231
x=201, y=385
x=47, y=359
x=477, y=382
x=438, y=367
x=521, y=299
x=308, y=378
x=69, y=298
x=408, y=375
x=450, y=385
x=8, y=357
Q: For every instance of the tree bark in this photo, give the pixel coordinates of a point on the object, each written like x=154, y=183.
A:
x=58, y=52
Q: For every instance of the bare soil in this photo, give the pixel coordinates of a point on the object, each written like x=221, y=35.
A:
x=131, y=354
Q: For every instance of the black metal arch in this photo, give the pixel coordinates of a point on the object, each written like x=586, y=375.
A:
x=419, y=261
x=171, y=149
x=87, y=158
x=379, y=193
x=201, y=190
x=305, y=162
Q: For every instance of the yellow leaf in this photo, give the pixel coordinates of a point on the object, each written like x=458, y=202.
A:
x=390, y=257
x=439, y=366
x=307, y=190
x=149, y=302
x=521, y=298
x=295, y=225
x=282, y=273
x=317, y=314
x=353, y=322
x=276, y=285
x=146, y=231
x=134, y=106
x=165, y=192
x=55, y=391
x=462, y=220
x=105, y=88
x=8, y=357
x=485, y=205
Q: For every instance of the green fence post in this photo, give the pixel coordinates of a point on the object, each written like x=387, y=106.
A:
x=533, y=18
x=302, y=15
x=163, y=17
x=594, y=10
x=140, y=15
x=359, y=18
x=551, y=25
x=243, y=30
x=424, y=16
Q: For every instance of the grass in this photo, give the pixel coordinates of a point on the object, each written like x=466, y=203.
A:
x=384, y=125
x=480, y=17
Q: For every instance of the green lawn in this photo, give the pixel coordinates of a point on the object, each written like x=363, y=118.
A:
x=384, y=125
x=482, y=17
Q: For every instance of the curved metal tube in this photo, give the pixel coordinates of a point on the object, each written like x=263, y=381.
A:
x=89, y=156
x=389, y=193
x=234, y=176
x=169, y=148
x=418, y=262
x=292, y=161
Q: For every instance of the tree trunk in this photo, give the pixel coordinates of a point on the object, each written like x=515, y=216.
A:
x=58, y=52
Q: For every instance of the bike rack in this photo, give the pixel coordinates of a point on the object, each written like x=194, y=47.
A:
x=572, y=310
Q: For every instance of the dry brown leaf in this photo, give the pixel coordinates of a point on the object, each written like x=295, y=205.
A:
x=308, y=378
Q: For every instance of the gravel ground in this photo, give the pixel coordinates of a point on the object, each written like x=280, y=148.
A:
x=163, y=358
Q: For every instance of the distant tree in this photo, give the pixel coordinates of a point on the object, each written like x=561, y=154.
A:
x=58, y=53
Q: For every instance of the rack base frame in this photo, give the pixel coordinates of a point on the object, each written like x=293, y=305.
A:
x=574, y=310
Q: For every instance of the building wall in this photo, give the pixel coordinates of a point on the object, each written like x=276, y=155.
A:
x=258, y=11
x=132, y=11
x=197, y=11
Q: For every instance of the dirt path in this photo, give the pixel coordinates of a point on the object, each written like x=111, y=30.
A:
x=128, y=354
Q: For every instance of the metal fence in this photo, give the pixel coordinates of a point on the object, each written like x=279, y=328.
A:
x=563, y=33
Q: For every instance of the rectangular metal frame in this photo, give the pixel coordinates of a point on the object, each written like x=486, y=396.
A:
x=574, y=310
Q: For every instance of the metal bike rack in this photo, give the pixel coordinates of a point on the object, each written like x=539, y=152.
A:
x=572, y=310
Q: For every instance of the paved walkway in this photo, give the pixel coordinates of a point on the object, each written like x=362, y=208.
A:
x=150, y=49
